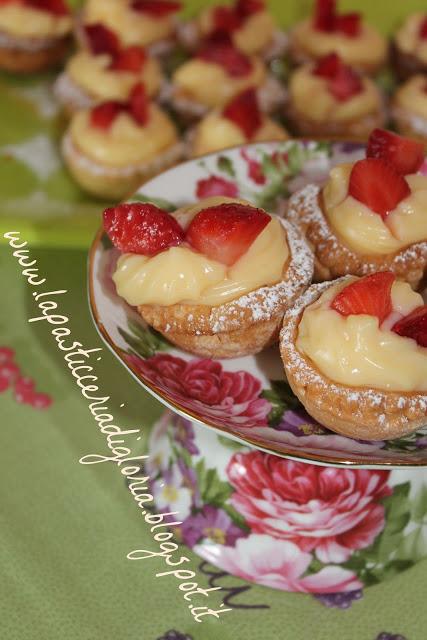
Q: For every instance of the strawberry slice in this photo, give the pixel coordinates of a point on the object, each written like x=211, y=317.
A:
x=141, y=228
x=219, y=49
x=226, y=19
x=346, y=84
x=103, y=115
x=224, y=233
x=324, y=15
x=156, y=8
x=101, y=39
x=138, y=104
x=57, y=7
x=405, y=155
x=244, y=111
x=129, y=59
x=349, y=24
x=246, y=8
x=414, y=326
x=423, y=29
x=328, y=66
x=370, y=296
x=376, y=184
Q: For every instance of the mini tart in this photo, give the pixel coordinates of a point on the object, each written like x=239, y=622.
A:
x=333, y=258
x=32, y=39
x=409, y=47
x=409, y=108
x=314, y=111
x=246, y=324
x=367, y=51
x=87, y=80
x=113, y=163
x=357, y=412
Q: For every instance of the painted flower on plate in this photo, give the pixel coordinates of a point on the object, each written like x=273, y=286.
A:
x=216, y=186
x=210, y=523
x=171, y=492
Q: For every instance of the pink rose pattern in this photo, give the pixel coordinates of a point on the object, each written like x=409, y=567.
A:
x=231, y=397
x=332, y=512
x=216, y=186
x=23, y=388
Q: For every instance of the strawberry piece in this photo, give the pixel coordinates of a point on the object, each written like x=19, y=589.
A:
x=103, y=115
x=219, y=49
x=244, y=111
x=324, y=15
x=101, y=39
x=370, y=296
x=346, y=84
x=141, y=228
x=226, y=19
x=138, y=104
x=225, y=232
x=328, y=66
x=129, y=59
x=423, y=29
x=156, y=8
x=376, y=184
x=57, y=7
x=349, y=24
x=414, y=326
x=405, y=155
x=246, y=8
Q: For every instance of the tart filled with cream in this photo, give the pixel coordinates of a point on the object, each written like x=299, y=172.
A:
x=145, y=23
x=107, y=70
x=370, y=215
x=328, y=97
x=409, y=107
x=114, y=147
x=214, y=277
x=355, y=354
x=34, y=34
x=241, y=121
x=251, y=26
x=409, y=47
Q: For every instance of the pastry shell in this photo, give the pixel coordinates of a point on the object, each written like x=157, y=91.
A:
x=334, y=259
x=242, y=326
x=405, y=64
x=28, y=55
x=409, y=124
x=357, y=412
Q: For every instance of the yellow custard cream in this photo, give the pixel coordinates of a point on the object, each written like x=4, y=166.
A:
x=134, y=27
x=309, y=95
x=182, y=275
x=91, y=73
x=354, y=351
x=255, y=34
x=408, y=38
x=27, y=22
x=365, y=231
x=125, y=142
x=412, y=96
x=218, y=87
x=216, y=132
x=368, y=48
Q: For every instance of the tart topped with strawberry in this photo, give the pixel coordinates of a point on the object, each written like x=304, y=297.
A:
x=113, y=147
x=107, y=70
x=214, y=277
x=348, y=35
x=409, y=47
x=346, y=377
x=328, y=97
x=241, y=121
x=34, y=34
x=409, y=107
x=137, y=22
x=370, y=215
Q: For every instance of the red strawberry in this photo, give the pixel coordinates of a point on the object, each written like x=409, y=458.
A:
x=220, y=50
x=103, y=115
x=324, y=15
x=101, y=39
x=156, y=8
x=244, y=111
x=346, y=84
x=141, y=228
x=226, y=19
x=414, y=326
x=138, y=104
x=349, y=24
x=224, y=233
x=375, y=183
x=246, y=8
x=57, y=7
x=328, y=66
x=405, y=155
x=370, y=296
x=129, y=59
x=423, y=29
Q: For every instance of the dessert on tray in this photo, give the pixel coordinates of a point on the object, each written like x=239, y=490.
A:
x=371, y=215
x=114, y=147
x=249, y=22
x=107, y=70
x=147, y=23
x=355, y=354
x=409, y=107
x=326, y=31
x=409, y=46
x=240, y=122
x=34, y=34
x=329, y=98
x=215, y=277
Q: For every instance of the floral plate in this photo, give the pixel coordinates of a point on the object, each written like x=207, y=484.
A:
x=247, y=399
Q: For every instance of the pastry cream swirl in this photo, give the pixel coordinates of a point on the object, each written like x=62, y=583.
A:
x=408, y=37
x=182, y=275
x=355, y=351
x=252, y=36
x=28, y=22
x=412, y=96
